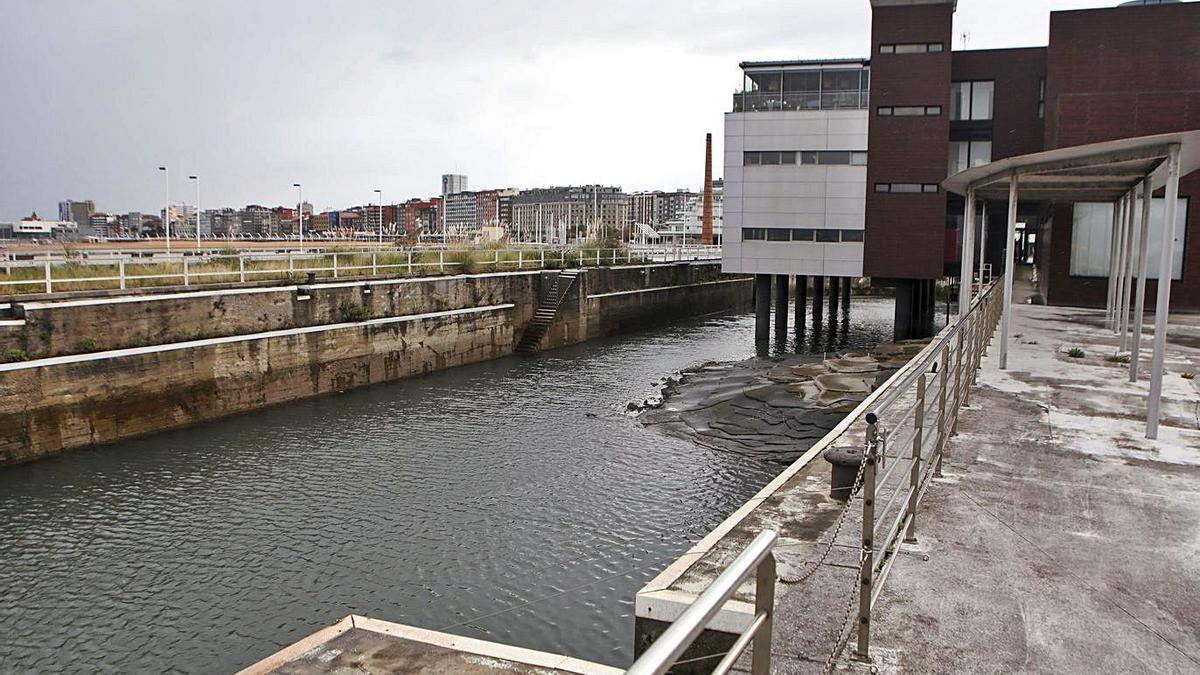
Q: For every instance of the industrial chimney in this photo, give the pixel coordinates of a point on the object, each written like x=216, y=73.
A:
x=706, y=233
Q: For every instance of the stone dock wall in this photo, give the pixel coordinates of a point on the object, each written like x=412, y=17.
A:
x=107, y=368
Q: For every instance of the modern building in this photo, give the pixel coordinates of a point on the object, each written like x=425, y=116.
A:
x=1107, y=73
x=453, y=183
x=32, y=227
x=572, y=213
x=798, y=140
x=687, y=226
x=459, y=214
x=78, y=212
x=657, y=207
x=224, y=222
x=259, y=221
x=796, y=170
x=102, y=225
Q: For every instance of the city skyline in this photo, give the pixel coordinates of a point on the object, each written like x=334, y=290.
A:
x=617, y=96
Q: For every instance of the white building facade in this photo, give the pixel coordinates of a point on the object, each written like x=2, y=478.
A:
x=796, y=169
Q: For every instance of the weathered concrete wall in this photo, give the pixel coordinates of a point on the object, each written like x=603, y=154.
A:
x=309, y=346
x=81, y=325
x=47, y=408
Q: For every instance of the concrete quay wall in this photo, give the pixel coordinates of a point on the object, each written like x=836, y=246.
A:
x=78, y=400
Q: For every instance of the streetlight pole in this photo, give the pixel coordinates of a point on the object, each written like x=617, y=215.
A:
x=197, y=179
x=300, y=211
x=167, y=211
x=380, y=195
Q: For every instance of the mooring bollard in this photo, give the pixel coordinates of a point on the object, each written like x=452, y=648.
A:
x=845, y=461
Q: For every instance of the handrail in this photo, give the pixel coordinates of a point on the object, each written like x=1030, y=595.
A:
x=939, y=380
x=755, y=559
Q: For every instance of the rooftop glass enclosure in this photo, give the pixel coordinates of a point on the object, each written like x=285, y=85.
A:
x=803, y=86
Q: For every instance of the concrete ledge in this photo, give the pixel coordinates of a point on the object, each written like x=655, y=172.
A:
x=370, y=645
x=191, y=344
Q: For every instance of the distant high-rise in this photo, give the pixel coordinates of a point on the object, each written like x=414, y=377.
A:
x=78, y=212
x=453, y=183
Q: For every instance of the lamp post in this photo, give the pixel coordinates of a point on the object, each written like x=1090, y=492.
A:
x=197, y=179
x=167, y=211
x=300, y=211
x=379, y=193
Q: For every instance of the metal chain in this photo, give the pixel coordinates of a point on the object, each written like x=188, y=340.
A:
x=816, y=565
x=839, y=639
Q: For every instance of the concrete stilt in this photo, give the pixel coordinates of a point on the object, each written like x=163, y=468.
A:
x=781, y=304
x=801, y=300
x=834, y=294
x=762, y=307
x=818, y=297
x=846, y=284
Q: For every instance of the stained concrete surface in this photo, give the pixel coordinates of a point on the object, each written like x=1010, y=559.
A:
x=1060, y=539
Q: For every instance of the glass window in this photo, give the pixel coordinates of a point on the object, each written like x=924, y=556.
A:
x=911, y=48
x=834, y=157
x=883, y=111
x=934, y=47
x=858, y=158
x=883, y=187
x=827, y=236
x=754, y=234
x=840, y=80
x=981, y=152
x=779, y=234
x=808, y=157
x=752, y=158
x=802, y=80
x=887, y=49
x=764, y=81
x=910, y=110
x=852, y=235
x=981, y=100
x=802, y=234
x=770, y=157
x=960, y=101
x=1092, y=229
x=959, y=156
x=906, y=187
x=933, y=110
x=929, y=187
x=787, y=158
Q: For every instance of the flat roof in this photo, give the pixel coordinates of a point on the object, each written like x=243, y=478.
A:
x=804, y=62
x=1100, y=172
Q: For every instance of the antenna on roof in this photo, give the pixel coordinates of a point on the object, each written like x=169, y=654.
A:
x=966, y=37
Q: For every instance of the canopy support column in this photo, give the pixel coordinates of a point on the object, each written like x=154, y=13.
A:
x=968, y=251
x=1143, y=264
x=1163, y=304
x=983, y=227
x=1127, y=273
x=1111, y=305
x=1009, y=270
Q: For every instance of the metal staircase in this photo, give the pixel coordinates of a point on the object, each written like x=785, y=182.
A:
x=543, y=318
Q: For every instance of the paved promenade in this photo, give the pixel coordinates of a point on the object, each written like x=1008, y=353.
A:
x=1060, y=540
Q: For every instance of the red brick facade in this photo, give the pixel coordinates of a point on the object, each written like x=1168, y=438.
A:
x=905, y=232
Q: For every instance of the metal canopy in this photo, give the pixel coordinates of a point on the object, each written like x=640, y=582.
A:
x=1097, y=172
x=1125, y=172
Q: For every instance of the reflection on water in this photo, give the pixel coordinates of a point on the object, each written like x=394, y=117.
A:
x=431, y=501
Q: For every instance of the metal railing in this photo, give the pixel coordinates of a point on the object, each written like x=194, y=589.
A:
x=51, y=272
x=907, y=430
x=758, y=560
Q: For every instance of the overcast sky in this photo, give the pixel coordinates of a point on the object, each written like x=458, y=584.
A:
x=351, y=96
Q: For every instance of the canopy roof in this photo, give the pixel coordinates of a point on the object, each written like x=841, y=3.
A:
x=1097, y=172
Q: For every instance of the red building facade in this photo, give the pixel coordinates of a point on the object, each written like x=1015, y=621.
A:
x=1107, y=73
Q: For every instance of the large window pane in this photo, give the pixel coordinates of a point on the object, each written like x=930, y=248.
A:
x=981, y=152
x=840, y=80
x=960, y=102
x=764, y=81
x=802, y=80
x=1091, y=234
x=958, y=156
x=981, y=100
